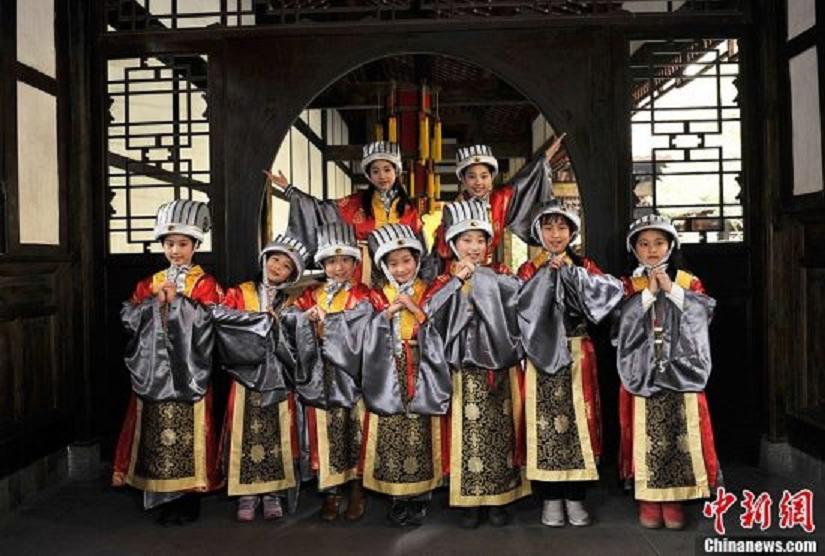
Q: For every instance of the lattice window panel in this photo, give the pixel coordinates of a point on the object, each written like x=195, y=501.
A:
x=158, y=144
x=686, y=129
x=134, y=15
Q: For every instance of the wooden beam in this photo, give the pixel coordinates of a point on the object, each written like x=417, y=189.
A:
x=514, y=149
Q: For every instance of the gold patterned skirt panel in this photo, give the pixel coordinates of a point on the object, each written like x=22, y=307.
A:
x=483, y=441
x=667, y=448
x=559, y=446
x=169, y=447
x=403, y=454
x=340, y=432
x=260, y=453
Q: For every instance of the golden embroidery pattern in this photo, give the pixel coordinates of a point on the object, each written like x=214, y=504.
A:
x=488, y=440
x=558, y=442
x=668, y=457
x=344, y=437
x=262, y=460
x=167, y=444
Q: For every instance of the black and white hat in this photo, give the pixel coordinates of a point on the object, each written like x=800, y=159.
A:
x=290, y=247
x=381, y=150
x=475, y=154
x=651, y=222
x=463, y=216
x=183, y=216
x=553, y=206
x=389, y=238
x=337, y=238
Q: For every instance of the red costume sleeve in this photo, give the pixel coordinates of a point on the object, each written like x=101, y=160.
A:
x=307, y=299
x=234, y=299
x=207, y=290
x=696, y=285
x=378, y=299
x=143, y=291
x=591, y=267
x=437, y=284
x=527, y=270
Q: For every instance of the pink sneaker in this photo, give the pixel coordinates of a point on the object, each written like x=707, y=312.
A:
x=246, y=508
x=272, y=507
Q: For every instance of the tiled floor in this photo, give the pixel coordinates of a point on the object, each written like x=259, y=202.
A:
x=91, y=518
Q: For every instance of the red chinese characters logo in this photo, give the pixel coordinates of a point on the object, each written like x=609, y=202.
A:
x=716, y=509
x=797, y=509
x=794, y=510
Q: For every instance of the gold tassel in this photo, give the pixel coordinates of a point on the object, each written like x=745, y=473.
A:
x=412, y=179
x=437, y=141
x=430, y=184
x=392, y=126
x=424, y=138
x=379, y=132
x=437, y=187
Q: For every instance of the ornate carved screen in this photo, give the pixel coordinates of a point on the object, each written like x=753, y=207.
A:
x=158, y=143
x=687, y=148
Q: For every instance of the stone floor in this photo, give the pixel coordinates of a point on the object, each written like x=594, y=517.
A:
x=91, y=518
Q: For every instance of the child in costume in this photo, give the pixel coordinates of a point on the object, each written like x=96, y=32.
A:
x=260, y=438
x=403, y=391
x=166, y=446
x=472, y=313
x=509, y=206
x=562, y=291
x=664, y=363
x=336, y=414
x=385, y=201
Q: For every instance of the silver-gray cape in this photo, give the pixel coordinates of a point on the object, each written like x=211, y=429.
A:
x=171, y=363
x=553, y=303
x=684, y=364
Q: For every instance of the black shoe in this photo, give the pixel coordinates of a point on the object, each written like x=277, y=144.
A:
x=190, y=508
x=471, y=518
x=499, y=516
x=416, y=513
x=398, y=513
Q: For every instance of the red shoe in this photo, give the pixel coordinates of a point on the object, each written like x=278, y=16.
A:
x=674, y=515
x=650, y=514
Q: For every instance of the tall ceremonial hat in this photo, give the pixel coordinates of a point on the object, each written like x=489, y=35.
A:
x=651, y=222
x=336, y=238
x=475, y=154
x=553, y=206
x=381, y=150
x=183, y=216
x=289, y=246
x=463, y=216
x=389, y=238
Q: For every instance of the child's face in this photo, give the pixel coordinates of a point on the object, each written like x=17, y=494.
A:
x=279, y=268
x=472, y=245
x=382, y=174
x=556, y=233
x=339, y=267
x=402, y=265
x=478, y=180
x=652, y=247
x=178, y=249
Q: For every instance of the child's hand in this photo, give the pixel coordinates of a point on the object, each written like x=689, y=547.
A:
x=554, y=148
x=279, y=180
x=558, y=261
x=316, y=314
x=393, y=308
x=407, y=302
x=663, y=279
x=653, y=282
x=168, y=292
x=464, y=269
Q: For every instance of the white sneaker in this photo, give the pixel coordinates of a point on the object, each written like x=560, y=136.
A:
x=576, y=514
x=552, y=514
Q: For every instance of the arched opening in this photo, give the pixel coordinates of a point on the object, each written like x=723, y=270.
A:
x=430, y=104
